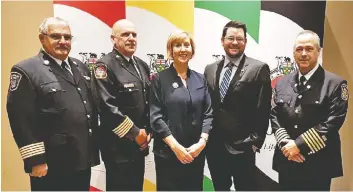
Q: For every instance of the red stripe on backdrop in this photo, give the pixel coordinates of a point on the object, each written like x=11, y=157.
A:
x=107, y=11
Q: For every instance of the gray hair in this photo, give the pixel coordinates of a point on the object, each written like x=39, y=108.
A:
x=309, y=32
x=43, y=27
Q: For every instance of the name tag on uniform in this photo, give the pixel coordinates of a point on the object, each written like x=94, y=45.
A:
x=129, y=85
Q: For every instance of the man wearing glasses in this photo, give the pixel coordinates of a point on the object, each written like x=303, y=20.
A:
x=240, y=89
x=52, y=114
x=122, y=82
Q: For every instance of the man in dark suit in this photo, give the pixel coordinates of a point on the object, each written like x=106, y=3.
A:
x=240, y=90
x=309, y=108
x=122, y=82
x=52, y=114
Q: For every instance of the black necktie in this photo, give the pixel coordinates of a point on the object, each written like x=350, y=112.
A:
x=301, y=83
x=65, y=66
x=135, y=69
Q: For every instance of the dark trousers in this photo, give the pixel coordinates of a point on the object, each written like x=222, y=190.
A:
x=294, y=182
x=172, y=175
x=125, y=176
x=224, y=166
x=75, y=181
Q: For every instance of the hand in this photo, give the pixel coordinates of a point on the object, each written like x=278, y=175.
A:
x=148, y=140
x=39, y=170
x=297, y=158
x=182, y=154
x=195, y=149
x=141, y=139
x=290, y=149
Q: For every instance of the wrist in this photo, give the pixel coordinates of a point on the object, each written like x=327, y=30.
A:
x=203, y=140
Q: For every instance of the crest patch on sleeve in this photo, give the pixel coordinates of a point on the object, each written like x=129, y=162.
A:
x=100, y=71
x=344, y=92
x=15, y=79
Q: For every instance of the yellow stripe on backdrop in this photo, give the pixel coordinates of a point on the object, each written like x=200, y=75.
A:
x=179, y=13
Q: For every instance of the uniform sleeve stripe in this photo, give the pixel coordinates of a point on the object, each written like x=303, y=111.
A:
x=318, y=137
x=32, y=150
x=33, y=153
x=278, y=134
x=315, y=140
x=281, y=132
x=312, y=140
x=26, y=147
x=121, y=126
x=308, y=142
x=127, y=126
x=281, y=138
x=124, y=127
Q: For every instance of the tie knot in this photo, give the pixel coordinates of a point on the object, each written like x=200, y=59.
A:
x=63, y=65
x=302, y=80
x=230, y=65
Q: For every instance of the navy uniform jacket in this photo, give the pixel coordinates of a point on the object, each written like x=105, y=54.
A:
x=312, y=117
x=52, y=115
x=123, y=106
x=175, y=110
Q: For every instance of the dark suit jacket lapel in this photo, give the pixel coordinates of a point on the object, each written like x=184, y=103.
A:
x=75, y=71
x=217, y=80
x=54, y=67
x=294, y=82
x=124, y=63
x=243, y=65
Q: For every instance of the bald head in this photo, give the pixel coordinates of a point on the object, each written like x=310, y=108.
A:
x=121, y=25
x=124, y=37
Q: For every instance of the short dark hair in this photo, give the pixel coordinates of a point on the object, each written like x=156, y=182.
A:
x=234, y=24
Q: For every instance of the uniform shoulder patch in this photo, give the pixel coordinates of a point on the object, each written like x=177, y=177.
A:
x=100, y=71
x=344, y=92
x=15, y=79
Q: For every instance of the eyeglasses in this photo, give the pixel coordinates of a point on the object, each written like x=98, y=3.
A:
x=58, y=36
x=232, y=39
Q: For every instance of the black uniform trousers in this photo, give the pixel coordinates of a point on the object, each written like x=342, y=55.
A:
x=223, y=166
x=293, y=182
x=172, y=175
x=74, y=181
x=125, y=176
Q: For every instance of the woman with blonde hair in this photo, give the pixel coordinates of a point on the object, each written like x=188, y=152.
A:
x=180, y=117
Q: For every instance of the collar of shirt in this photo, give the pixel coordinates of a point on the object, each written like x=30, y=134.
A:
x=58, y=61
x=235, y=61
x=127, y=58
x=308, y=75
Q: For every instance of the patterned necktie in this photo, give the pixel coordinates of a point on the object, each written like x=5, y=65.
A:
x=225, y=81
x=65, y=66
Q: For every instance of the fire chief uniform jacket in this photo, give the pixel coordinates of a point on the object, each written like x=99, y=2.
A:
x=123, y=94
x=312, y=116
x=52, y=115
